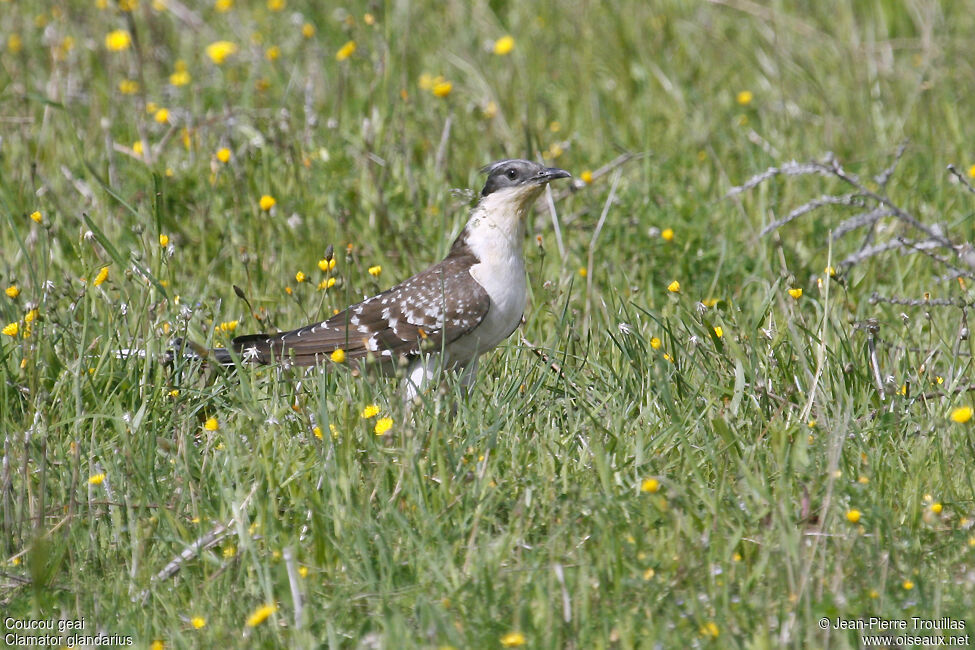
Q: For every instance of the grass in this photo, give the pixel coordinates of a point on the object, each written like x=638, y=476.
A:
x=668, y=486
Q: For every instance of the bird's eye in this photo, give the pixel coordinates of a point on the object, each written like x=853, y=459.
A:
x=511, y=174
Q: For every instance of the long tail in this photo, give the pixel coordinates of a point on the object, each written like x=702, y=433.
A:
x=184, y=349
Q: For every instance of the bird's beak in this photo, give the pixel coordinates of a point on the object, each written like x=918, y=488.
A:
x=550, y=174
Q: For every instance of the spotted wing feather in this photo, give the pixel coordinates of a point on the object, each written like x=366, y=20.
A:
x=427, y=311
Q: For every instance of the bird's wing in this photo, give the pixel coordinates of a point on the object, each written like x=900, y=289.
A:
x=430, y=309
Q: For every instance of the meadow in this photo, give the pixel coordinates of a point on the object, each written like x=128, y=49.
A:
x=728, y=415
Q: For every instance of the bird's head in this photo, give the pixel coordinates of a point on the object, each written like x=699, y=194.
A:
x=518, y=181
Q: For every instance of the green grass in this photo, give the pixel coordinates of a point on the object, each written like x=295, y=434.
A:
x=523, y=511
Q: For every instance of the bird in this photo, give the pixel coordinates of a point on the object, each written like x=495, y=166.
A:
x=443, y=318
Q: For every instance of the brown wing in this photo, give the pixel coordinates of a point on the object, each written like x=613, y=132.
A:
x=430, y=309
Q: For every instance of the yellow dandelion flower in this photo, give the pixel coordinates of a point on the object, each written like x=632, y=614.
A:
x=345, y=51
x=162, y=115
x=374, y=271
x=223, y=155
x=369, y=19
x=12, y=329
x=796, y=293
x=830, y=271
x=338, y=356
x=228, y=326
x=267, y=202
x=655, y=343
x=128, y=5
x=102, y=276
x=583, y=271
x=164, y=240
x=383, y=425
x=318, y=432
x=650, y=485
x=936, y=508
x=513, y=640
x=718, y=331
x=326, y=284
x=300, y=277
x=853, y=516
x=14, y=43
x=490, y=110
x=971, y=171
x=667, y=234
x=272, y=53
x=220, y=50
x=36, y=216
x=223, y=6
x=303, y=571
x=96, y=479
x=744, y=97
x=962, y=414
x=907, y=585
x=212, y=424
x=586, y=177
x=275, y=5
x=260, y=614
x=370, y=411
x=442, y=89
x=710, y=630
x=307, y=30
x=198, y=621
x=12, y=291
x=158, y=644
x=118, y=40
x=674, y=287
x=128, y=87
x=229, y=551
x=179, y=78
x=504, y=45
x=326, y=265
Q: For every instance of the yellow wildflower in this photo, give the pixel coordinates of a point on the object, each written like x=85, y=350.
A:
x=14, y=43
x=223, y=6
x=307, y=30
x=164, y=240
x=303, y=571
x=36, y=216
x=936, y=508
x=211, y=424
x=674, y=287
x=300, y=277
x=369, y=19
x=586, y=177
x=260, y=614
x=374, y=271
x=971, y=171
x=158, y=644
x=12, y=329
x=345, y=51
x=326, y=284
x=831, y=271
x=583, y=271
x=318, y=432
x=228, y=326
x=655, y=343
x=796, y=293
x=650, y=485
x=383, y=425
x=370, y=411
x=744, y=97
x=326, y=265
x=128, y=87
x=718, y=331
x=179, y=78
x=102, y=276
x=962, y=414
x=907, y=585
x=667, y=234
x=12, y=291
x=504, y=45
x=853, y=516
x=220, y=50
x=223, y=155
x=162, y=115
x=272, y=53
x=275, y=5
x=118, y=40
x=710, y=629
x=267, y=202
x=513, y=640
x=442, y=89
x=338, y=356
x=197, y=622
x=490, y=111
x=96, y=479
